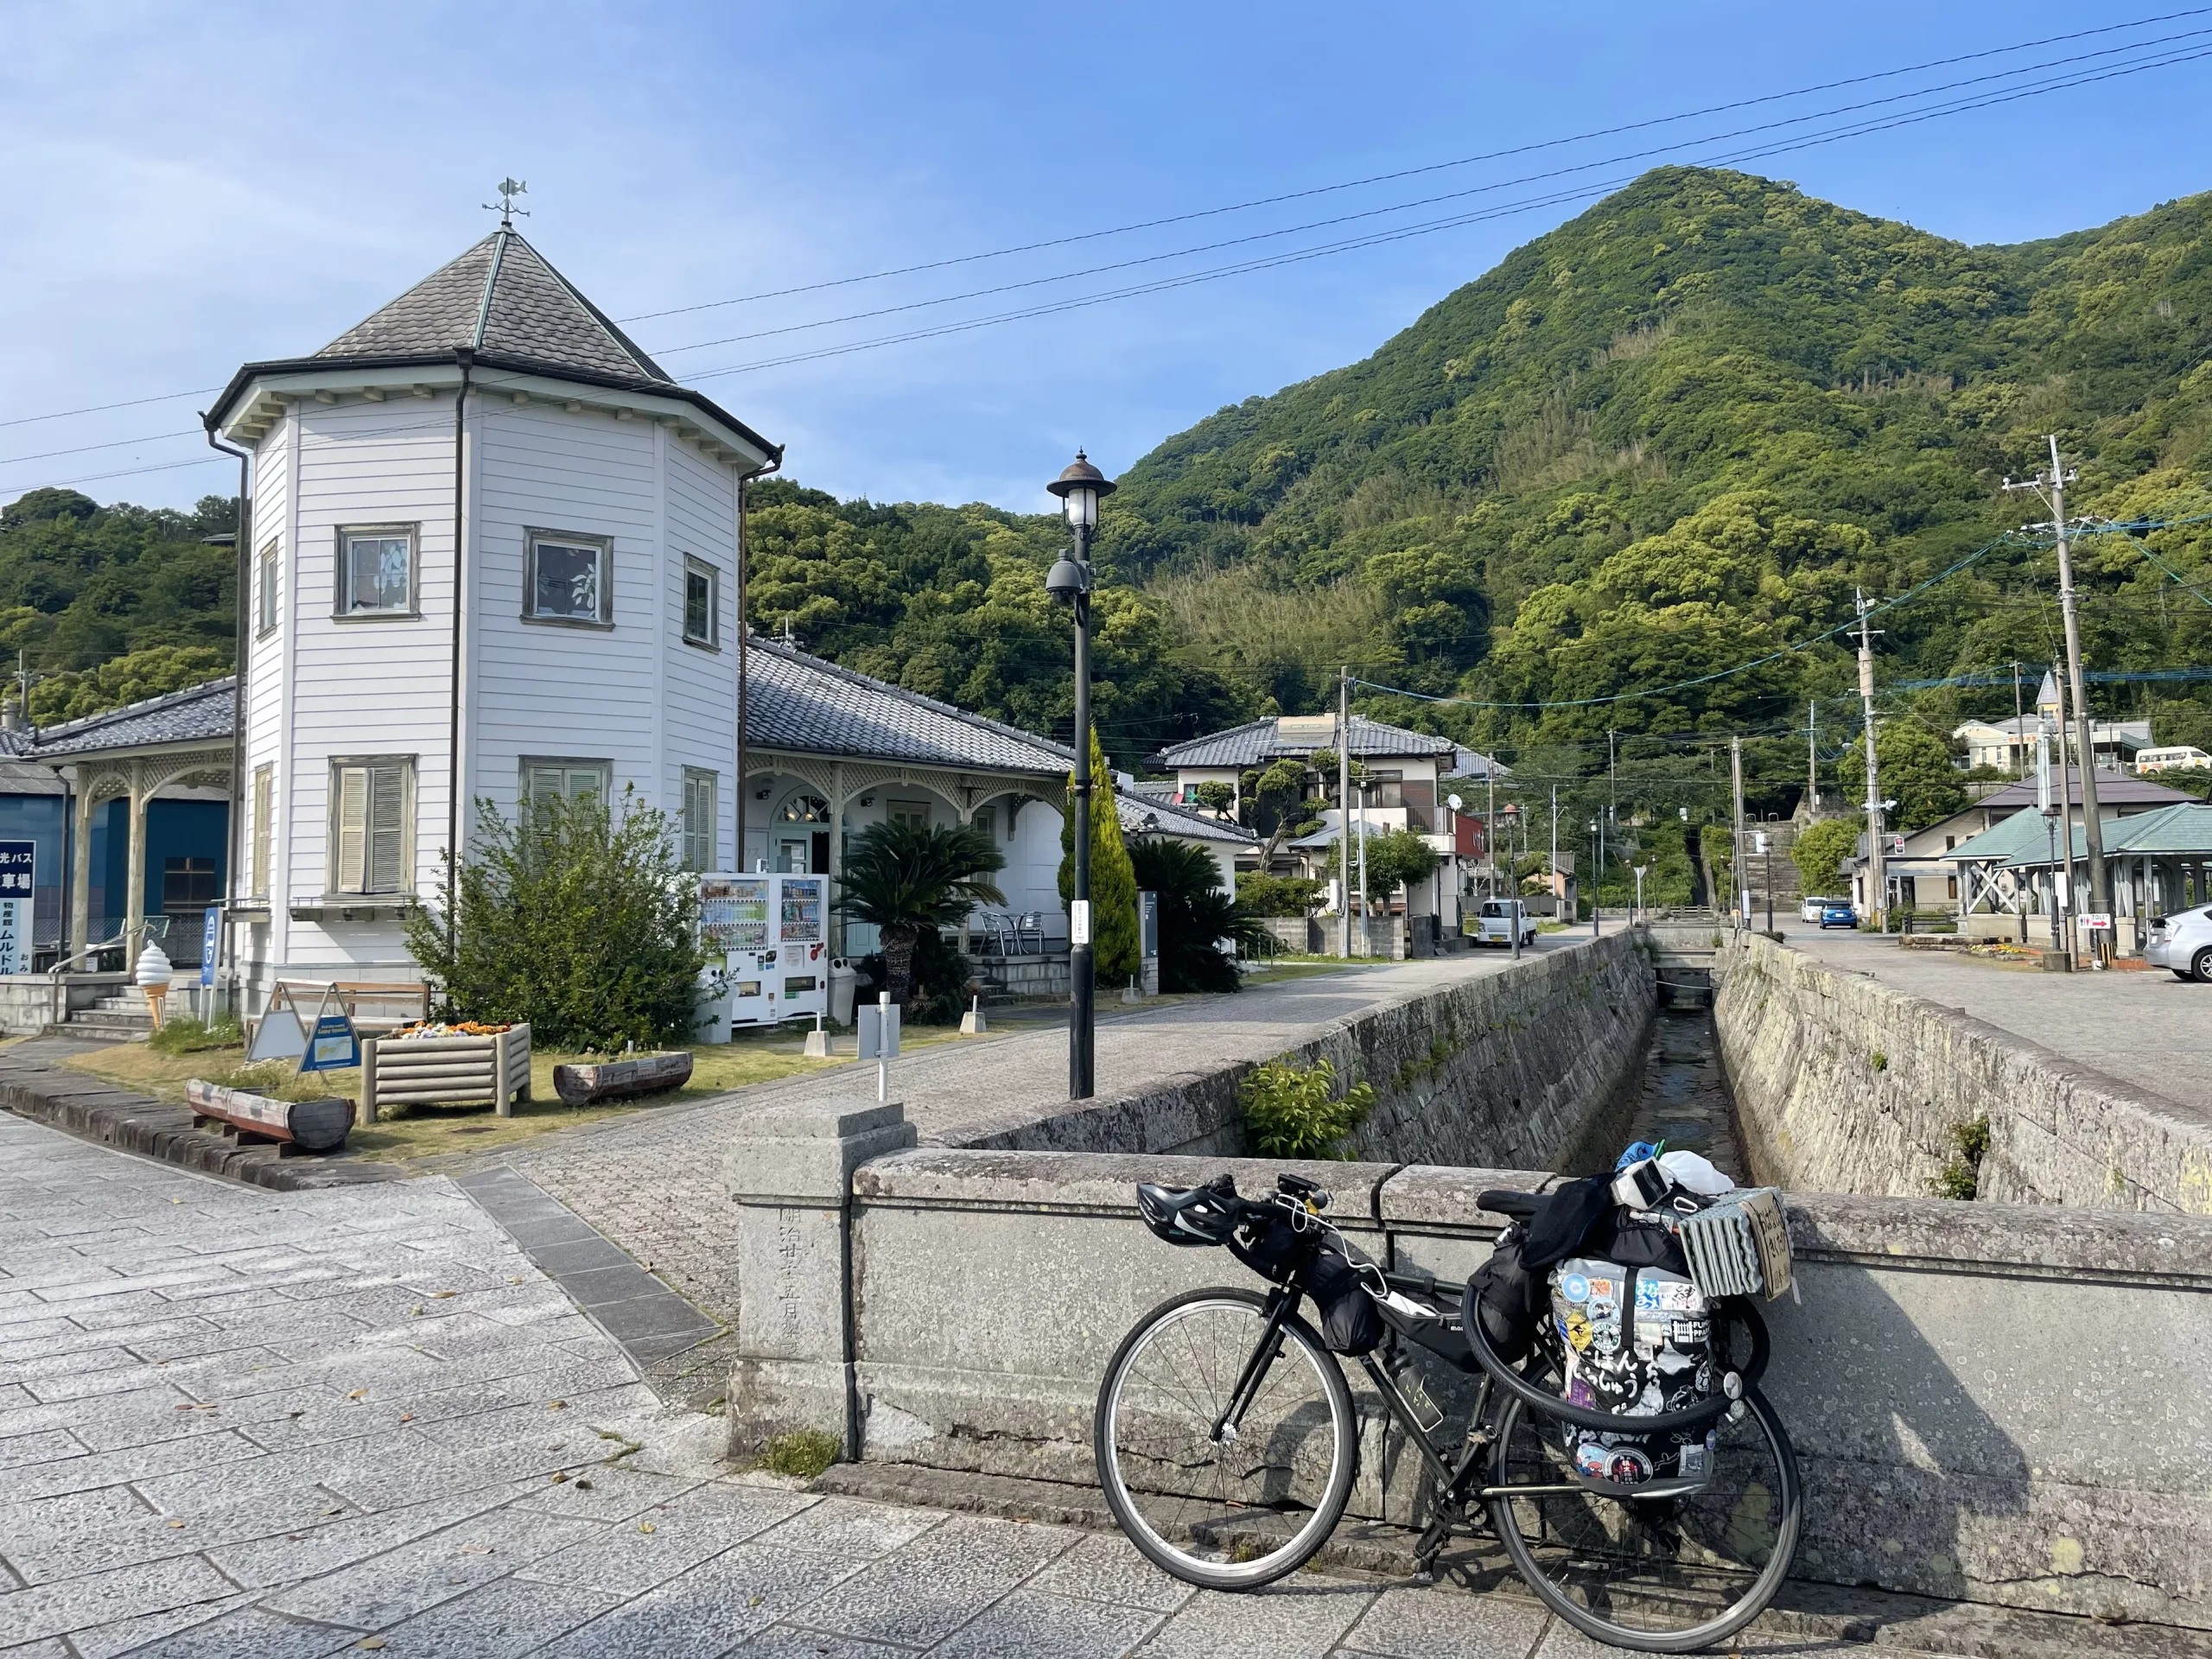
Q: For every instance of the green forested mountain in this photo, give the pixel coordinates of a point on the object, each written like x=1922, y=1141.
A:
x=108, y=605
x=1676, y=433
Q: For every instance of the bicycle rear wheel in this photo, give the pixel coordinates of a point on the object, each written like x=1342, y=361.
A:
x=1657, y=1575
x=1240, y=1509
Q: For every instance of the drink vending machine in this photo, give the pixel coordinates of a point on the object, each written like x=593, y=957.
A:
x=766, y=938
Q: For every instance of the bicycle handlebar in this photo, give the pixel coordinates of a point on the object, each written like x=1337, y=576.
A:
x=1664, y=1422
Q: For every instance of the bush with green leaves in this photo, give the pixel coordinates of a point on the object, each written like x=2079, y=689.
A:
x=188, y=1035
x=1820, y=851
x=1293, y=1114
x=1396, y=858
x=578, y=918
x=1260, y=894
x=1116, y=949
x=1194, y=914
x=909, y=881
x=1213, y=795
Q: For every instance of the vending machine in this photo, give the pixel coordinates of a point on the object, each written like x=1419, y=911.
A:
x=767, y=942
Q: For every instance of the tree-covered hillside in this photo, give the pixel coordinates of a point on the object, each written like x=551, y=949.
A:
x=1676, y=433
x=108, y=605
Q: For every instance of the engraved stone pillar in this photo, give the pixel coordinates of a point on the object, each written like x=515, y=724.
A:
x=790, y=1173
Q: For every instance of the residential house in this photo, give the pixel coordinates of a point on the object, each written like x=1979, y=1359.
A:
x=2009, y=744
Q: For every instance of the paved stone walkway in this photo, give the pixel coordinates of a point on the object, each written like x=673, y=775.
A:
x=237, y=1424
x=2148, y=1029
x=653, y=1182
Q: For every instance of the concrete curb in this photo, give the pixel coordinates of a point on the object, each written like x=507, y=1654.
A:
x=93, y=1110
x=1804, y=1609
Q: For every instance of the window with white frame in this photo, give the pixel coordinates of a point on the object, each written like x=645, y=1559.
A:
x=700, y=822
x=266, y=598
x=376, y=570
x=264, y=830
x=701, y=603
x=568, y=579
x=546, y=779
x=371, y=820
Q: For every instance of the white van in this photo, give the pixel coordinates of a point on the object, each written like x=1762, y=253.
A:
x=1495, y=921
x=2183, y=755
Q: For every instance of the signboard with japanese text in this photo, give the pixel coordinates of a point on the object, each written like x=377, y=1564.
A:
x=211, y=935
x=18, y=882
x=334, y=1046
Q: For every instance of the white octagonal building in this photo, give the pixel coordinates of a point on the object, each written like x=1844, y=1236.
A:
x=491, y=434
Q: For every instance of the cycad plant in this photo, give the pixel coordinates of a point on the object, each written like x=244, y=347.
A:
x=904, y=878
x=1194, y=915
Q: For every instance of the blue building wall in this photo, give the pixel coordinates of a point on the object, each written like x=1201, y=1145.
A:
x=43, y=821
x=174, y=829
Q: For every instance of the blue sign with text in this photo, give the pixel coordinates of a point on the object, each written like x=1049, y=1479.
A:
x=211, y=937
x=334, y=1046
x=18, y=881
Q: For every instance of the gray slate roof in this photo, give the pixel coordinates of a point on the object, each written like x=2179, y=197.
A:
x=2113, y=789
x=801, y=702
x=793, y=701
x=504, y=300
x=198, y=714
x=1260, y=741
x=1176, y=821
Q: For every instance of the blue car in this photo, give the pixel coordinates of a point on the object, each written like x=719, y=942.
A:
x=1837, y=916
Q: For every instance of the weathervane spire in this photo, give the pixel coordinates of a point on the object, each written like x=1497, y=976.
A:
x=509, y=189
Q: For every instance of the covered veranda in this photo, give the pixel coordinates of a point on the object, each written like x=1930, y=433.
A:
x=2157, y=862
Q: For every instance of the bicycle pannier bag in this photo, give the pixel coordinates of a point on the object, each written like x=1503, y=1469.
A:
x=1635, y=1341
x=1507, y=1298
x=1350, y=1321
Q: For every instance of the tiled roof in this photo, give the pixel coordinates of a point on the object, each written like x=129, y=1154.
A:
x=198, y=714
x=1258, y=740
x=1178, y=822
x=2113, y=789
x=800, y=702
x=502, y=298
x=2185, y=829
x=2005, y=839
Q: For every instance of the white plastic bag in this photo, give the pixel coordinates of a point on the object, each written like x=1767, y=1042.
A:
x=1691, y=1170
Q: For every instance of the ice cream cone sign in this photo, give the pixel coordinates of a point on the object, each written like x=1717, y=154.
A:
x=153, y=977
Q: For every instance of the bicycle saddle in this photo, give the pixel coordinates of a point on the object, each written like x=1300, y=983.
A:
x=1520, y=1206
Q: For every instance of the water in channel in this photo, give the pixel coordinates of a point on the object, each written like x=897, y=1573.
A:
x=1684, y=1101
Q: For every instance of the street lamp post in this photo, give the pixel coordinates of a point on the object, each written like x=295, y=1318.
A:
x=1080, y=488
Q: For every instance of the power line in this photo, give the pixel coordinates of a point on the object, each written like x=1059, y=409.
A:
x=1404, y=232
x=1406, y=207
x=1772, y=98
x=1434, y=167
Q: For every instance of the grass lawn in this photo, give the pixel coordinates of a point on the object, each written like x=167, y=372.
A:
x=411, y=1135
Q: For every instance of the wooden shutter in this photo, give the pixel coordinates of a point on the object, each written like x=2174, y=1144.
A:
x=350, y=863
x=264, y=780
x=387, y=828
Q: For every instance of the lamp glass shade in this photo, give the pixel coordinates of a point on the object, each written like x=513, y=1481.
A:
x=1082, y=506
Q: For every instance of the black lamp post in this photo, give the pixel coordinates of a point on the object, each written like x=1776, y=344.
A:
x=1080, y=488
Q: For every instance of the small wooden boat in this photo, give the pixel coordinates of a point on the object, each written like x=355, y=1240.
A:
x=605, y=1080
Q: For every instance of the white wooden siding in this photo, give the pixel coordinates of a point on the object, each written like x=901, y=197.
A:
x=700, y=686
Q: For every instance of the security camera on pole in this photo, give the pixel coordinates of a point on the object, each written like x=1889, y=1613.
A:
x=1081, y=489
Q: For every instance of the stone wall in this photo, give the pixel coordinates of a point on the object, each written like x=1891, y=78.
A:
x=1508, y=1069
x=1845, y=1085
x=1995, y=1403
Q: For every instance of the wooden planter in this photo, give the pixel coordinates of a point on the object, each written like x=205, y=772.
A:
x=644, y=1074
x=445, y=1071
x=310, y=1125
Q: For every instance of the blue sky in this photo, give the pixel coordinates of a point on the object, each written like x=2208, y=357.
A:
x=183, y=189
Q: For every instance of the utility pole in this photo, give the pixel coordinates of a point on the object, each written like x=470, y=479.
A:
x=2052, y=486
x=1812, y=759
x=1555, y=869
x=2020, y=730
x=1366, y=938
x=1878, y=875
x=1740, y=866
x=1343, y=812
x=2063, y=884
x=1490, y=824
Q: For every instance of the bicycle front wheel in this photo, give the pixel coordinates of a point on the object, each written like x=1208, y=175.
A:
x=1224, y=1505
x=1653, y=1574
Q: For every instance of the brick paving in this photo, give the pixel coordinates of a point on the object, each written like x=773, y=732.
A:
x=653, y=1182
x=237, y=1424
x=2147, y=1029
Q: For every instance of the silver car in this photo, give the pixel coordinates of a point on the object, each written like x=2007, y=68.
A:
x=2182, y=942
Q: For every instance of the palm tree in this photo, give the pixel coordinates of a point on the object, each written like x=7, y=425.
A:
x=902, y=877
x=1194, y=914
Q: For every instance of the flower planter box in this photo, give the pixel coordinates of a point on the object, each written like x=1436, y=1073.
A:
x=643, y=1074
x=307, y=1125
x=491, y=1070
